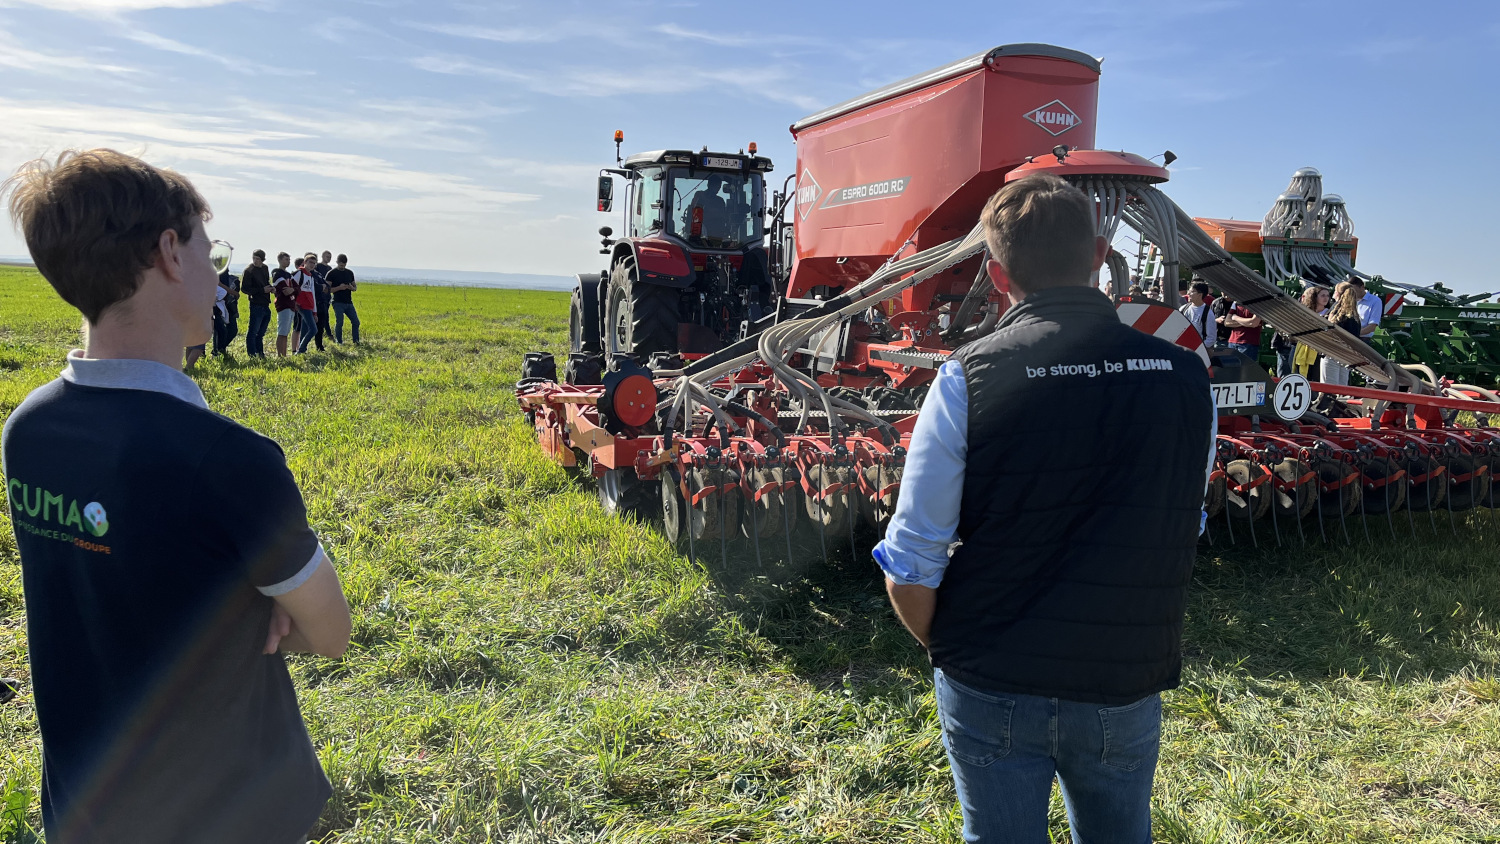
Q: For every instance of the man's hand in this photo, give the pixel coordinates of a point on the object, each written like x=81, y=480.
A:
x=281, y=627
x=317, y=616
x=914, y=605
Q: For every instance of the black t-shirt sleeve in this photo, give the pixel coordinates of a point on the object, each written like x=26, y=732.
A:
x=256, y=510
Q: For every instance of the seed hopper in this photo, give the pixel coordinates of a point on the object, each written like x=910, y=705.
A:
x=747, y=375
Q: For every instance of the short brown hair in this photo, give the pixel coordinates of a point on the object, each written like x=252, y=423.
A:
x=1041, y=230
x=92, y=219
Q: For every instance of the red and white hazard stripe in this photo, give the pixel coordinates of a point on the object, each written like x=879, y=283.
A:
x=1164, y=322
x=1393, y=303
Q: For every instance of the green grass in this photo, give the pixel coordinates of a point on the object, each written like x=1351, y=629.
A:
x=524, y=669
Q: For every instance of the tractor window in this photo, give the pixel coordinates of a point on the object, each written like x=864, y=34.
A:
x=714, y=209
x=645, y=214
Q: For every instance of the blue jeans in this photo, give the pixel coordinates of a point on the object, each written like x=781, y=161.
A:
x=1006, y=748
x=309, y=322
x=1251, y=352
x=255, y=332
x=340, y=310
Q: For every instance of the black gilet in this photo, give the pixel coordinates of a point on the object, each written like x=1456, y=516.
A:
x=1088, y=445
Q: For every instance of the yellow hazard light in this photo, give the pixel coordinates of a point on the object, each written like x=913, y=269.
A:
x=619, y=136
x=752, y=147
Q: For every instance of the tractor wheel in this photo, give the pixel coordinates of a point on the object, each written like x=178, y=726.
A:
x=641, y=318
x=583, y=323
x=1387, y=498
x=1252, y=504
x=1301, y=498
x=622, y=493
x=1466, y=494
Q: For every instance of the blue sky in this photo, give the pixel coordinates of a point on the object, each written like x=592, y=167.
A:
x=466, y=136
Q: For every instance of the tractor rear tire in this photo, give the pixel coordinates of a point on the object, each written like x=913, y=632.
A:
x=641, y=318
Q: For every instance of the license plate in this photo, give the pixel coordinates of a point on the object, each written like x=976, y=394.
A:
x=1243, y=394
x=731, y=163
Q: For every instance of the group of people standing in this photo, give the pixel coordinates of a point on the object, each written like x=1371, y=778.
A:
x=303, y=293
x=1348, y=305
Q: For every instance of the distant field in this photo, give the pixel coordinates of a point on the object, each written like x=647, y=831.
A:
x=526, y=670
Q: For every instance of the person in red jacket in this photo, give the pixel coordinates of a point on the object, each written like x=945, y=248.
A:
x=1244, y=330
x=306, y=280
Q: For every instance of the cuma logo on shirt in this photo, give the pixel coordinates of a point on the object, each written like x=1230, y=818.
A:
x=38, y=503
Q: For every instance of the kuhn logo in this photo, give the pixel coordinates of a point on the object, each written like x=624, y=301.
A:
x=808, y=191
x=1055, y=117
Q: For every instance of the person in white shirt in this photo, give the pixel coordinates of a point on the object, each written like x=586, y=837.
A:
x=1199, y=314
x=1371, y=308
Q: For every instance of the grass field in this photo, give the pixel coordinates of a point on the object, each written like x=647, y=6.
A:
x=524, y=669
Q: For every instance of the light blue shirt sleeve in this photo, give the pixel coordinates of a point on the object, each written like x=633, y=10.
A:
x=1371, y=308
x=925, y=525
x=1213, y=452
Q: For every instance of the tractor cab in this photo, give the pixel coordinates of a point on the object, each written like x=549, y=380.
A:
x=690, y=273
x=706, y=200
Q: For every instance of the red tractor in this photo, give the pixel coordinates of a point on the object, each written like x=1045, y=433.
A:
x=691, y=272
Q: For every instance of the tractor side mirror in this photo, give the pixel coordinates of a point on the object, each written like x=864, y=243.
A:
x=605, y=231
x=606, y=193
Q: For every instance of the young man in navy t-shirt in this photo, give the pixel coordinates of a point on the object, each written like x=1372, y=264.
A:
x=156, y=612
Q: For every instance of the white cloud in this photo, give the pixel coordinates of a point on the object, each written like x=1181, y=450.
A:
x=768, y=83
x=402, y=124
x=161, y=42
x=227, y=146
x=549, y=173
x=502, y=35
x=17, y=56
x=716, y=38
x=107, y=6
